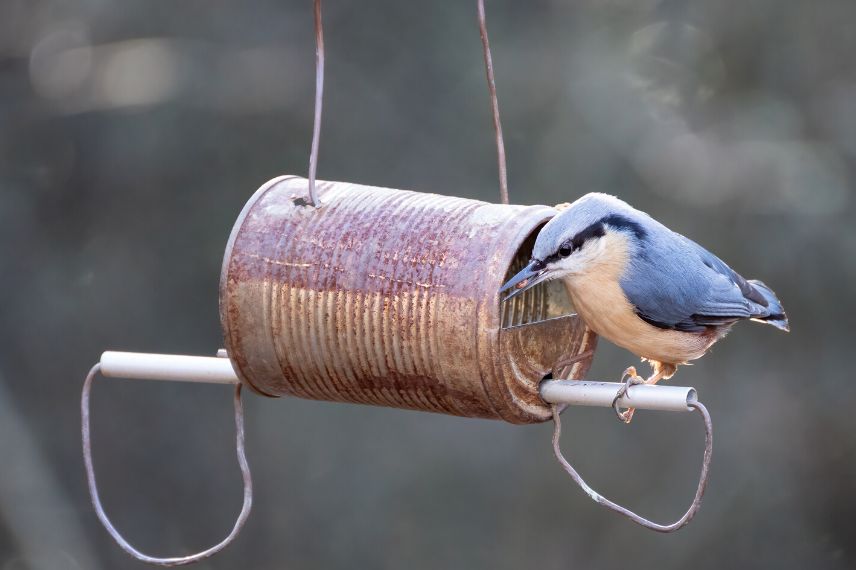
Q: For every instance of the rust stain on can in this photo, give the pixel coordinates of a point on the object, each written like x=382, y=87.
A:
x=390, y=297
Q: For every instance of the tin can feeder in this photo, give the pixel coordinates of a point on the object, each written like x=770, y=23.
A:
x=390, y=297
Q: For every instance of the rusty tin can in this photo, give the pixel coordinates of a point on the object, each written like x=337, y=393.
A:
x=389, y=297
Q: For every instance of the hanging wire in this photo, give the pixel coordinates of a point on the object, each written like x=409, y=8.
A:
x=494, y=105
x=598, y=498
x=102, y=516
x=319, y=96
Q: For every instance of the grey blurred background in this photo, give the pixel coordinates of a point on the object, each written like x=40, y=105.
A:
x=131, y=134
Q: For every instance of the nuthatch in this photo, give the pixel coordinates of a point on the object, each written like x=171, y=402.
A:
x=642, y=286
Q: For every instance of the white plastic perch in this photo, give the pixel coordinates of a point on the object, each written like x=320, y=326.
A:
x=176, y=367
x=642, y=396
x=218, y=370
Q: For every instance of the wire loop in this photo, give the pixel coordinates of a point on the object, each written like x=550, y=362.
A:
x=598, y=498
x=319, y=97
x=102, y=516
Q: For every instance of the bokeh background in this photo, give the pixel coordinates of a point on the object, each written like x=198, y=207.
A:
x=132, y=132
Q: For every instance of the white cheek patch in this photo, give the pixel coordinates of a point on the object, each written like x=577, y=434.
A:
x=580, y=260
x=565, y=266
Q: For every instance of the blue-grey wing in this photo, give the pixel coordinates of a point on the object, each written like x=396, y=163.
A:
x=680, y=285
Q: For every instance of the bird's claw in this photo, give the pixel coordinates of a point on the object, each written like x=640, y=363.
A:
x=626, y=416
x=632, y=379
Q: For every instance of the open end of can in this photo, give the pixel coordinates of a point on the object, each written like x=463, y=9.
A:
x=539, y=332
x=544, y=301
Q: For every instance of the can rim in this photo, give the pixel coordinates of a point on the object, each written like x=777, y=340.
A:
x=224, y=275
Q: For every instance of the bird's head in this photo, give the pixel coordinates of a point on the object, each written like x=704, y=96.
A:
x=579, y=239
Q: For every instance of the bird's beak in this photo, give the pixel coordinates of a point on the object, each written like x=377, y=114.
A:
x=527, y=278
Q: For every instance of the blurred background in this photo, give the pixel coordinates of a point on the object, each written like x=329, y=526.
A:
x=131, y=134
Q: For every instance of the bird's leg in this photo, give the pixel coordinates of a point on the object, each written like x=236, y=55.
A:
x=632, y=379
x=627, y=415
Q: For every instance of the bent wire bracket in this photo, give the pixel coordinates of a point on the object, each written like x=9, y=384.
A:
x=651, y=397
x=209, y=372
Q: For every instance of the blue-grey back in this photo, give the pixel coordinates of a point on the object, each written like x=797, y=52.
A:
x=671, y=280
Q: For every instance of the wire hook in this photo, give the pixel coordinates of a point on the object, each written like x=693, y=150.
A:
x=600, y=499
x=102, y=516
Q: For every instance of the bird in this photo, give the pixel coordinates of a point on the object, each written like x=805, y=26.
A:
x=642, y=286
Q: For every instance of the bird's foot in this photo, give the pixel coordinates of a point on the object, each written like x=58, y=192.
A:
x=632, y=379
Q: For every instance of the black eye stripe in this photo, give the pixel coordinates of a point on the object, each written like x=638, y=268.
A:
x=598, y=230
x=621, y=223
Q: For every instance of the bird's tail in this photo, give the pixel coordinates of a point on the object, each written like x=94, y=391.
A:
x=775, y=312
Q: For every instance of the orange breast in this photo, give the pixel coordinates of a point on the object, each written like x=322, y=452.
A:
x=600, y=301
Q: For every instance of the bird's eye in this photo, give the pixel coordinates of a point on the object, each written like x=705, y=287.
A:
x=565, y=250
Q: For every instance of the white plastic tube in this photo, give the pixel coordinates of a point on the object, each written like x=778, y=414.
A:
x=218, y=370
x=641, y=396
x=139, y=365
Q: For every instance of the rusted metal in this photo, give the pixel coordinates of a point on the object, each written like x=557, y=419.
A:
x=389, y=297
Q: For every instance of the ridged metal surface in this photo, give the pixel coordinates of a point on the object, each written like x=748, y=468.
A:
x=389, y=297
